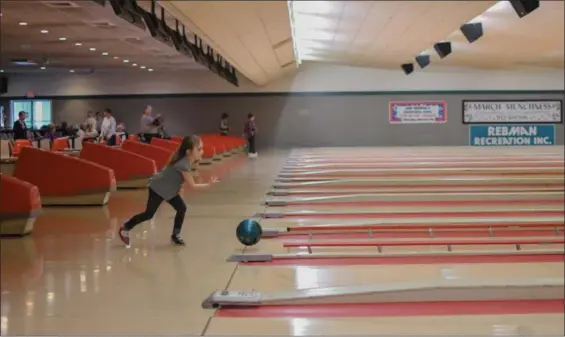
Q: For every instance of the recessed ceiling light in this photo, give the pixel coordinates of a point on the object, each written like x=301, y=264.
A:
x=1, y=70
x=149, y=69
x=92, y=49
x=104, y=53
x=62, y=39
x=23, y=23
x=142, y=67
x=126, y=61
x=44, y=31
x=72, y=71
x=78, y=44
x=42, y=68
x=134, y=65
x=116, y=57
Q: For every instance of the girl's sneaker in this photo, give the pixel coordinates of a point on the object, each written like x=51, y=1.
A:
x=124, y=236
x=177, y=240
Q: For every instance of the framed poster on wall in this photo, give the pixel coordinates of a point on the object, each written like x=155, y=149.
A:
x=513, y=111
x=425, y=112
x=512, y=135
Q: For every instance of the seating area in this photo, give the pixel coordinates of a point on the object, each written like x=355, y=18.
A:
x=20, y=204
x=85, y=174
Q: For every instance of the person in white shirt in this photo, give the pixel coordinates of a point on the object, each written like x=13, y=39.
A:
x=87, y=131
x=108, y=128
x=91, y=120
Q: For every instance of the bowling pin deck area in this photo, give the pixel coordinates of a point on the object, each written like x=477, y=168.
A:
x=403, y=241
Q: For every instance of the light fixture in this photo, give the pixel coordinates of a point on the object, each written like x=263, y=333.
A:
x=105, y=53
x=42, y=68
x=92, y=49
x=62, y=39
x=1, y=70
x=134, y=65
x=44, y=31
x=126, y=61
x=116, y=57
x=149, y=69
x=142, y=67
x=78, y=44
x=72, y=71
x=23, y=23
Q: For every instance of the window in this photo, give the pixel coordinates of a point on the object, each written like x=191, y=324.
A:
x=39, y=112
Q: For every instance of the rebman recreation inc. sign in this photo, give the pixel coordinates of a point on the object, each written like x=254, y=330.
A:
x=501, y=111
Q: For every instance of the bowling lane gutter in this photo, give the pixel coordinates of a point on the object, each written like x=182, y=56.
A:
x=406, y=309
x=406, y=260
x=276, y=205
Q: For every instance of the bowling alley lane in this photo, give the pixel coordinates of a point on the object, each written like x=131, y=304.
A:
x=487, y=325
x=432, y=222
x=284, y=278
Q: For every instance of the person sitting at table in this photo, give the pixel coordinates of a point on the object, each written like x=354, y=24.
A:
x=121, y=131
x=51, y=132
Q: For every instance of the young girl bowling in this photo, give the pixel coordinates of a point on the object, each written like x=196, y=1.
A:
x=166, y=186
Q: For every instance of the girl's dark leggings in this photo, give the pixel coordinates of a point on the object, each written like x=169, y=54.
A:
x=153, y=202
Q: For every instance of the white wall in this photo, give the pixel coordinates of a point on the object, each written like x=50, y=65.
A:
x=310, y=77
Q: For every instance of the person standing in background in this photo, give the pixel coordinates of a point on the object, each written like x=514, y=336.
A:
x=149, y=125
x=20, y=127
x=99, y=118
x=91, y=120
x=224, y=125
x=108, y=128
x=250, y=131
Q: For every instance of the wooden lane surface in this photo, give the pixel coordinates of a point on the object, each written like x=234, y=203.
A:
x=484, y=324
x=432, y=173
x=313, y=192
x=246, y=278
x=487, y=325
x=421, y=164
x=425, y=181
x=445, y=198
x=275, y=246
x=425, y=150
x=408, y=219
x=283, y=278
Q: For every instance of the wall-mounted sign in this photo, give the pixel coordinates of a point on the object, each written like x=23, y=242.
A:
x=512, y=112
x=417, y=112
x=512, y=135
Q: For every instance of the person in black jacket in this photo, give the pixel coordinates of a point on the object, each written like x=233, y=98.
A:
x=20, y=127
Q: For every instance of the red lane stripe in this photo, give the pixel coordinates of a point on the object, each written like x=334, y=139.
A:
x=325, y=194
x=395, y=165
x=400, y=309
x=425, y=203
x=389, y=175
x=308, y=229
x=434, y=242
x=423, y=234
x=476, y=214
x=367, y=185
x=408, y=159
x=363, y=261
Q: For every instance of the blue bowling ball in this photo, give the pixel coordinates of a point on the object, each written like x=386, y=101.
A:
x=249, y=232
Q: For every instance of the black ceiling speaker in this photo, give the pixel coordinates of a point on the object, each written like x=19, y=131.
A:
x=408, y=68
x=443, y=49
x=423, y=60
x=524, y=7
x=3, y=85
x=472, y=31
